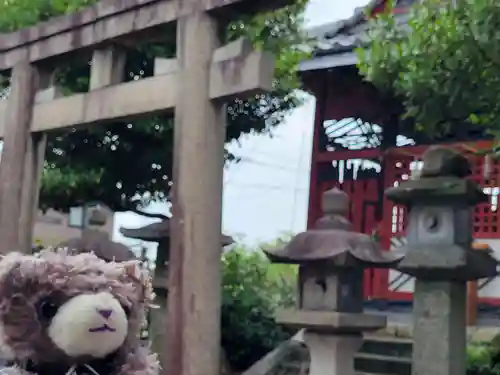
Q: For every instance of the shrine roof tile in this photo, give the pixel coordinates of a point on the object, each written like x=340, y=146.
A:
x=337, y=41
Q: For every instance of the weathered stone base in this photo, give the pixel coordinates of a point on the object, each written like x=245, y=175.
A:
x=332, y=354
x=158, y=328
x=439, y=328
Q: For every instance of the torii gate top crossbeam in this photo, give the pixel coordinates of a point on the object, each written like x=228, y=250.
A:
x=107, y=21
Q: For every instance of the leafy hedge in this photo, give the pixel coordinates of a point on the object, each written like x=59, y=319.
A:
x=252, y=290
x=483, y=359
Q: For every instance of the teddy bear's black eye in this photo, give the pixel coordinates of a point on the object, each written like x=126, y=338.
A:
x=47, y=308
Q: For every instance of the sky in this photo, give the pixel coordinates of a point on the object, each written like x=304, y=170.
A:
x=266, y=194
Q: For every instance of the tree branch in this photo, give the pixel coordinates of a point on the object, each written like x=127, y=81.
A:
x=149, y=215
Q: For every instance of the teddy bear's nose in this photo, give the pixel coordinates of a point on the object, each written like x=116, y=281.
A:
x=105, y=313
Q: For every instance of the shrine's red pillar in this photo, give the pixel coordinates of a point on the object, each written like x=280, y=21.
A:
x=319, y=88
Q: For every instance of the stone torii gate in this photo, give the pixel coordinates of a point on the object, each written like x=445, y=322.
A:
x=196, y=84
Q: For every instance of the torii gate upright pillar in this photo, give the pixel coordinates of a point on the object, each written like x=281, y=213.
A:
x=200, y=132
x=194, y=290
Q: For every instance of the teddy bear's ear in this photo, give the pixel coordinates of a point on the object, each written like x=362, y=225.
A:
x=9, y=262
x=132, y=269
x=141, y=278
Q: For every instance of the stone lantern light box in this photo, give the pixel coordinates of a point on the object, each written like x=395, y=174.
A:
x=332, y=259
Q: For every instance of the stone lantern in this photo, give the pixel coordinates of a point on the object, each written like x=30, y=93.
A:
x=160, y=233
x=331, y=260
x=439, y=254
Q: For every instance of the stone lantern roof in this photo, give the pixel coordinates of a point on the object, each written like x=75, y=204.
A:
x=333, y=240
x=157, y=232
x=341, y=247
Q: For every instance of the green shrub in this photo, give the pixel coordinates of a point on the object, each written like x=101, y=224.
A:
x=482, y=359
x=252, y=290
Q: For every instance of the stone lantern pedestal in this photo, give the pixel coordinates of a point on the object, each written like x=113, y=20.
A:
x=331, y=261
x=439, y=254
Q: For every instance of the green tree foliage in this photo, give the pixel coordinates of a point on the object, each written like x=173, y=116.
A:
x=252, y=290
x=120, y=162
x=444, y=66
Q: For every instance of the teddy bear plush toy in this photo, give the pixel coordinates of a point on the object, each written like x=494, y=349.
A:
x=63, y=314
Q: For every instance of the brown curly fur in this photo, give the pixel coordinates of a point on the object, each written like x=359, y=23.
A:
x=27, y=279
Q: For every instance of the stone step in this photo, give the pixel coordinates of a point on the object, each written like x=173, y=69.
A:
x=382, y=364
x=387, y=346
x=474, y=334
x=380, y=354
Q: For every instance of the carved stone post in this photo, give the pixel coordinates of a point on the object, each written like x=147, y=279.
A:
x=24, y=84
x=158, y=327
x=332, y=259
x=33, y=164
x=439, y=255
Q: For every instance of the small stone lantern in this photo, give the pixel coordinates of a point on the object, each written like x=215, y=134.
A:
x=331, y=261
x=160, y=232
x=439, y=254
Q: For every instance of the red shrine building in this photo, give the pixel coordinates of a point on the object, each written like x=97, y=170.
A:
x=362, y=146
